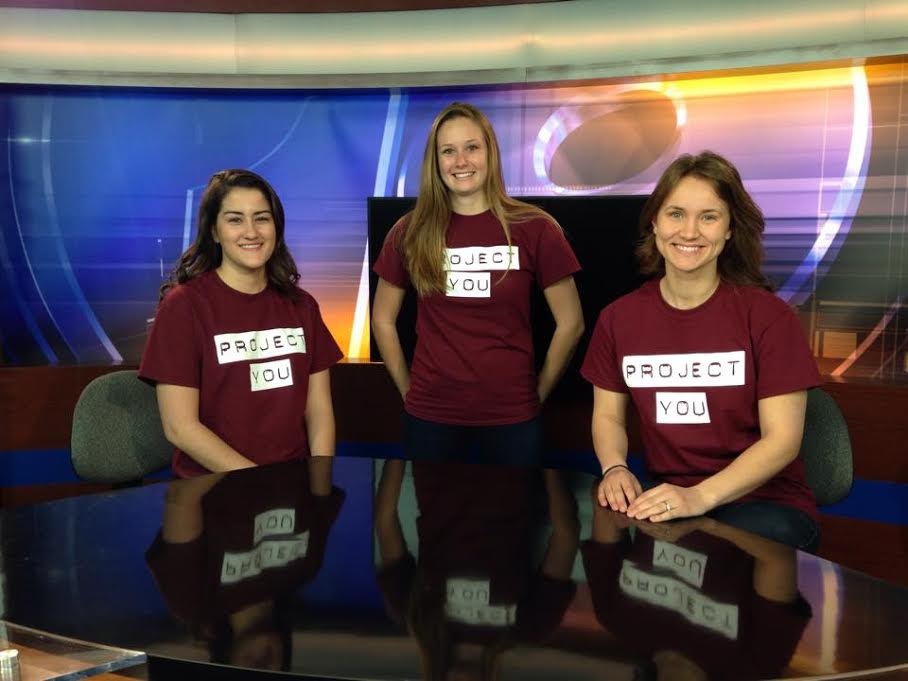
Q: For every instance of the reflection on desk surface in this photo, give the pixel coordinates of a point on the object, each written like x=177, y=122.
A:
x=373, y=569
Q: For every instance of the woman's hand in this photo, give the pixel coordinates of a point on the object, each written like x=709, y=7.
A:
x=618, y=488
x=608, y=526
x=668, y=502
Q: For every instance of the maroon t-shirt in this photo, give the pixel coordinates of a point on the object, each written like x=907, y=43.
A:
x=250, y=357
x=476, y=531
x=697, y=375
x=695, y=597
x=264, y=534
x=473, y=363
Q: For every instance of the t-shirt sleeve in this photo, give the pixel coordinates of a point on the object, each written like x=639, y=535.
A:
x=319, y=341
x=783, y=361
x=555, y=258
x=172, y=353
x=390, y=264
x=600, y=365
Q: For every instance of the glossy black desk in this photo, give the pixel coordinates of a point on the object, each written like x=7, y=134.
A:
x=402, y=571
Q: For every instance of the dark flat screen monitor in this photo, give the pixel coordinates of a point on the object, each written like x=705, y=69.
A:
x=603, y=233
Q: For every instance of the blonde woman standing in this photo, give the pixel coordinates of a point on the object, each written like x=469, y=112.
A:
x=472, y=254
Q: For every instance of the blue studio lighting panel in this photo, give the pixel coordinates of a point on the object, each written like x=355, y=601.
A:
x=99, y=188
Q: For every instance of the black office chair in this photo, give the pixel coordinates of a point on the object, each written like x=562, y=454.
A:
x=826, y=449
x=117, y=435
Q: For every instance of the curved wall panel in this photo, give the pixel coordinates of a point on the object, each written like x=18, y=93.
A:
x=517, y=43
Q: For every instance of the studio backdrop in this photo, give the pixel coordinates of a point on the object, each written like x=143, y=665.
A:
x=99, y=189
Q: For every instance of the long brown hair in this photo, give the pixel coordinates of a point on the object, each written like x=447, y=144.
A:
x=741, y=258
x=422, y=243
x=205, y=253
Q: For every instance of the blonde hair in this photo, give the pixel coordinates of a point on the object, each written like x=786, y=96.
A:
x=422, y=243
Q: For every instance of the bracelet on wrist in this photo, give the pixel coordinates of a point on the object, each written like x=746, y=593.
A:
x=611, y=468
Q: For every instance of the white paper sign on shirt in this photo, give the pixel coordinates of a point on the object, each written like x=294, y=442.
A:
x=688, y=565
x=468, y=590
x=468, y=602
x=263, y=344
x=669, y=593
x=468, y=284
x=273, y=522
x=482, y=258
x=691, y=370
x=468, y=270
x=270, y=375
x=681, y=408
x=271, y=553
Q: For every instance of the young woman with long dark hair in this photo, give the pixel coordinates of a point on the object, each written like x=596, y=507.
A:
x=238, y=352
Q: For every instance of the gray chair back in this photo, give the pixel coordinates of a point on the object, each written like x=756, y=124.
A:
x=826, y=449
x=117, y=435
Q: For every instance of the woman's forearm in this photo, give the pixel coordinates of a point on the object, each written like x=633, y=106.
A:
x=751, y=469
x=561, y=349
x=321, y=431
x=388, y=531
x=564, y=304
x=392, y=355
x=781, y=427
x=179, y=408
x=320, y=426
x=203, y=446
x=385, y=309
x=609, y=440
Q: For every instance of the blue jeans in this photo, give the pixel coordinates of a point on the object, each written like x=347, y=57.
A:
x=517, y=444
x=783, y=524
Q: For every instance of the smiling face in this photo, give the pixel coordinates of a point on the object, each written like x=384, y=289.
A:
x=691, y=229
x=246, y=231
x=463, y=156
